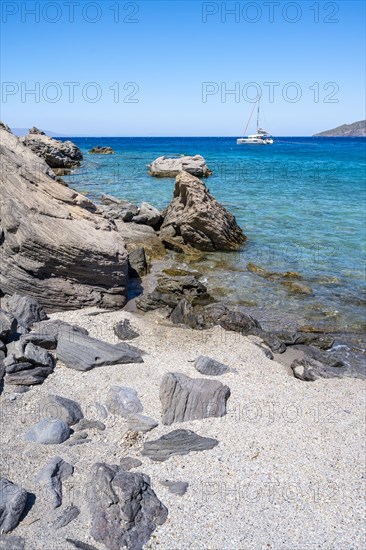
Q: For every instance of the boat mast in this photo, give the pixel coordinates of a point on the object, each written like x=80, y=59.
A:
x=259, y=100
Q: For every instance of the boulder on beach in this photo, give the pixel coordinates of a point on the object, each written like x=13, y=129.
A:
x=97, y=150
x=169, y=167
x=54, y=246
x=196, y=218
x=57, y=154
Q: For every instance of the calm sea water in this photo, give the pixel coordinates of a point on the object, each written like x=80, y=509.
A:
x=300, y=202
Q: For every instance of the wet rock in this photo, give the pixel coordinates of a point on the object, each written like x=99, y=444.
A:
x=68, y=515
x=49, y=432
x=177, y=442
x=97, y=150
x=196, y=218
x=55, y=406
x=165, y=167
x=86, y=424
x=140, y=423
x=137, y=263
x=176, y=487
x=25, y=309
x=123, y=401
x=127, y=463
x=297, y=288
x=12, y=503
x=309, y=369
x=184, y=398
x=125, y=510
x=272, y=341
x=84, y=353
x=124, y=330
x=51, y=477
x=210, y=367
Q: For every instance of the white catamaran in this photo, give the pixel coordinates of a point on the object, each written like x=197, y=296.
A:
x=261, y=137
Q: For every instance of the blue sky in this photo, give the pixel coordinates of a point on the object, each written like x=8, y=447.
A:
x=173, y=63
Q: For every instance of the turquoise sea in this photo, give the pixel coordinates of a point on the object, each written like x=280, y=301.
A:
x=300, y=202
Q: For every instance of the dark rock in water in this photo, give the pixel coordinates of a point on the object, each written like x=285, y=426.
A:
x=184, y=398
x=8, y=324
x=38, y=356
x=309, y=369
x=55, y=406
x=29, y=377
x=81, y=545
x=177, y=442
x=127, y=463
x=25, y=309
x=148, y=215
x=170, y=290
x=124, y=331
x=123, y=401
x=210, y=367
x=68, y=515
x=12, y=503
x=46, y=333
x=49, y=432
x=12, y=543
x=125, y=510
x=195, y=218
x=176, y=487
x=137, y=263
x=84, y=353
x=51, y=476
x=86, y=424
x=140, y=423
x=97, y=150
x=55, y=247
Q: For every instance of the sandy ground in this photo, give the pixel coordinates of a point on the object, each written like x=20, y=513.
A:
x=288, y=473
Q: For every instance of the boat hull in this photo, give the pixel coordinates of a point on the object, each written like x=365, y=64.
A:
x=245, y=141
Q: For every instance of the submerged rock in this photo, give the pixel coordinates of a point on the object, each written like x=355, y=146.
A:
x=97, y=150
x=55, y=247
x=165, y=167
x=196, y=218
x=12, y=503
x=125, y=510
x=183, y=398
x=177, y=442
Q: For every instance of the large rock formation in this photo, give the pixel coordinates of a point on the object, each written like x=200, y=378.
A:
x=165, y=167
x=195, y=218
x=54, y=246
x=57, y=154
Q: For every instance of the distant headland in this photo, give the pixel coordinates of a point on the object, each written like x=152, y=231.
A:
x=356, y=129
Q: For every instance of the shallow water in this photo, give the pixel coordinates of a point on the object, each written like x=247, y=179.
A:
x=300, y=202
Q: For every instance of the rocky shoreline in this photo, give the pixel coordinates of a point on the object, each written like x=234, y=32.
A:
x=61, y=254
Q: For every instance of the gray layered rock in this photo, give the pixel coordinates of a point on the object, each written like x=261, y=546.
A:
x=118, y=209
x=38, y=356
x=195, y=218
x=67, y=516
x=124, y=331
x=169, y=167
x=54, y=246
x=84, y=353
x=26, y=374
x=137, y=262
x=57, y=154
x=46, y=333
x=24, y=308
x=148, y=215
x=141, y=423
x=12, y=503
x=49, y=432
x=8, y=324
x=210, y=367
x=183, y=398
x=85, y=424
x=175, y=487
x=55, y=406
x=177, y=442
x=51, y=477
x=169, y=291
x=310, y=369
x=125, y=510
x=123, y=401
